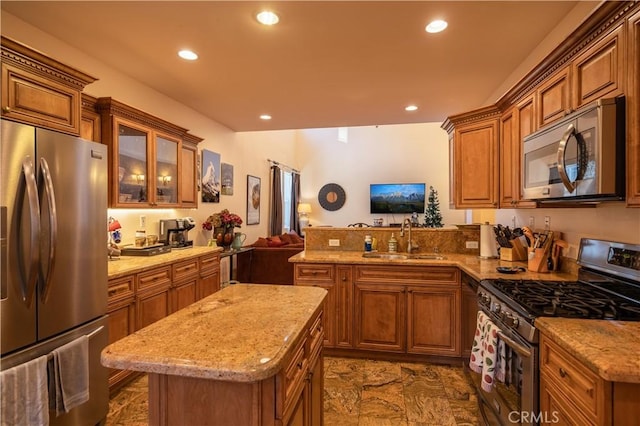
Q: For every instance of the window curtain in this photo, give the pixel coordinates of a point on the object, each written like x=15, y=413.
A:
x=275, y=218
x=295, y=199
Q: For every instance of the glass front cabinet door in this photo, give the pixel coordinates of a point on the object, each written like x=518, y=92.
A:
x=132, y=163
x=167, y=173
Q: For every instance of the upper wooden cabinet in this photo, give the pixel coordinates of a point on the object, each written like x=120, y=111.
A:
x=146, y=163
x=553, y=98
x=474, y=148
x=190, y=171
x=633, y=113
x=41, y=91
x=90, y=128
x=599, y=70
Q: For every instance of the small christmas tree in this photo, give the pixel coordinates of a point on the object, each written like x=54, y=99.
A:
x=432, y=216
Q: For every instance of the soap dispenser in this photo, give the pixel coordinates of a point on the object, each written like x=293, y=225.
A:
x=393, y=244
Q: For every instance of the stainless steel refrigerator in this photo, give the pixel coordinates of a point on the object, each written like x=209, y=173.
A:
x=54, y=253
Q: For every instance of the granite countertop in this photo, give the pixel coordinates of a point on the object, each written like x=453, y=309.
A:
x=132, y=264
x=241, y=333
x=473, y=265
x=611, y=349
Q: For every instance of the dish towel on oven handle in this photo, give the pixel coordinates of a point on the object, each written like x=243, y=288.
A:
x=485, y=358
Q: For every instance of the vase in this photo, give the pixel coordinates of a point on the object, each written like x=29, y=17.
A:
x=226, y=237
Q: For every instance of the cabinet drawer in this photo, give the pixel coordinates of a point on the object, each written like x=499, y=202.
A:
x=120, y=288
x=290, y=381
x=160, y=277
x=582, y=386
x=408, y=274
x=185, y=270
x=209, y=264
x=317, y=273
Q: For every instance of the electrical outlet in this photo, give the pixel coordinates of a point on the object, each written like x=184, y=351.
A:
x=532, y=222
x=334, y=243
x=471, y=244
x=143, y=221
x=547, y=222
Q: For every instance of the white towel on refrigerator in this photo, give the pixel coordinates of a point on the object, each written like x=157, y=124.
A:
x=24, y=394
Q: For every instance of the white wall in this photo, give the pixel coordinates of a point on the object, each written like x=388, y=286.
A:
x=410, y=153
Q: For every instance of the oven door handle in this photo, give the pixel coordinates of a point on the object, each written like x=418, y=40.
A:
x=521, y=350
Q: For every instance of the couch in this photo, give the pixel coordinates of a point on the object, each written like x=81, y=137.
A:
x=268, y=262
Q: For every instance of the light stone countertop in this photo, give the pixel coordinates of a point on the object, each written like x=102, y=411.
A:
x=611, y=349
x=241, y=333
x=473, y=265
x=126, y=265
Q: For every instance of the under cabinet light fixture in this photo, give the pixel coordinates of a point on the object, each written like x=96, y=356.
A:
x=267, y=17
x=189, y=55
x=436, y=26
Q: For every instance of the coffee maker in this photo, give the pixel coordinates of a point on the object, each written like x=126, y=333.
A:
x=173, y=232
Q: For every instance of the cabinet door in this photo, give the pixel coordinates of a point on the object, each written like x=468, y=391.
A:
x=469, y=317
x=508, y=169
x=526, y=124
x=121, y=323
x=556, y=408
x=476, y=165
x=380, y=317
x=152, y=307
x=189, y=176
x=316, y=392
x=132, y=150
x=184, y=294
x=433, y=320
x=633, y=114
x=553, y=98
x=599, y=71
x=344, y=307
x=208, y=285
x=167, y=170
x=90, y=126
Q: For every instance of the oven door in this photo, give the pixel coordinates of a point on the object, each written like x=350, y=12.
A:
x=513, y=401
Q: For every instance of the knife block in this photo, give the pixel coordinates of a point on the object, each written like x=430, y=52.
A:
x=515, y=253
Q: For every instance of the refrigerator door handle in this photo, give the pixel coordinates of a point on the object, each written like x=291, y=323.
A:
x=47, y=271
x=29, y=287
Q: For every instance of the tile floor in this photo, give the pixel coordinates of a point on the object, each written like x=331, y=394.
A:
x=360, y=392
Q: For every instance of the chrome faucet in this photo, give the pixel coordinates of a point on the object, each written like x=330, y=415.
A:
x=410, y=244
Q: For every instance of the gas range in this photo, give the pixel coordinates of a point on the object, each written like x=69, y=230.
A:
x=608, y=287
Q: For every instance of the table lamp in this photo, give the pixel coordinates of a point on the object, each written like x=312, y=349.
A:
x=303, y=215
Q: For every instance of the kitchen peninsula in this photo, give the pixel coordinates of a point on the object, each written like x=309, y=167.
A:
x=235, y=357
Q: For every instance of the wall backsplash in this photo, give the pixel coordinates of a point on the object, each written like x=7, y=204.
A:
x=445, y=240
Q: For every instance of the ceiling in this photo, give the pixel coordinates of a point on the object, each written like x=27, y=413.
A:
x=326, y=64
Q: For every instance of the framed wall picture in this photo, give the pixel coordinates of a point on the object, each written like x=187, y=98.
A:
x=210, y=177
x=227, y=179
x=253, y=200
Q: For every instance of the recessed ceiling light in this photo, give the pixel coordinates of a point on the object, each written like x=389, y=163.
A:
x=411, y=108
x=267, y=17
x=188, y=55
x=436, y=26
x=265, y=117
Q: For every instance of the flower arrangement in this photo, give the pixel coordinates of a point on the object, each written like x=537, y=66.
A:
x=224, y=219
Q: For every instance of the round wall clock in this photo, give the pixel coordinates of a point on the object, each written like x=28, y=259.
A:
x=331, y=197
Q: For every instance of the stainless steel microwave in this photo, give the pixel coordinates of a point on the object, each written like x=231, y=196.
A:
x=579, y=158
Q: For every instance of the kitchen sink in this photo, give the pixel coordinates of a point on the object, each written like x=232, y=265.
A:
x=385, y=256
x=402, y=256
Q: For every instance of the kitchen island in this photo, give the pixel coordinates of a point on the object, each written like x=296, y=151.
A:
x=248, y=354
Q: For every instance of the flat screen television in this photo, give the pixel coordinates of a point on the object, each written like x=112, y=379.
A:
x=397, y=197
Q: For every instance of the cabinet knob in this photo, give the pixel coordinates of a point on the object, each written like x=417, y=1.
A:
x=563, y=372
x=344, y=278
x=6, y=109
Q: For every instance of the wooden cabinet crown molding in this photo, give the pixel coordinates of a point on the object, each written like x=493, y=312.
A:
x=606, y=18
x=114, y=107
x=24, y=57
x=476, y=115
